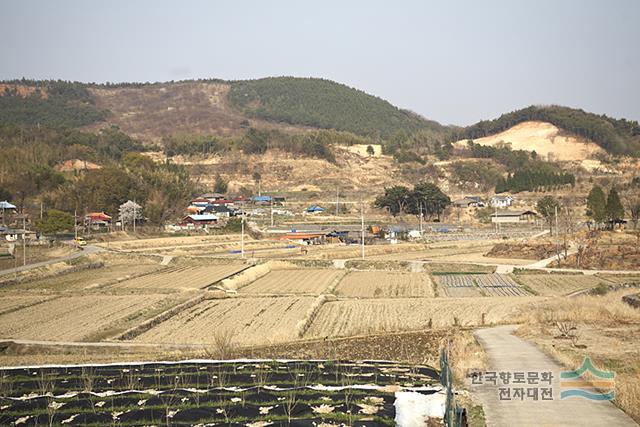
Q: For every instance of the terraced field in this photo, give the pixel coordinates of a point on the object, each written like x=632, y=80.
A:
x=470, y=285
x=385, y=284
x=251, y=320
x=182, y=278
x=302, y=281
x=78, y=318
x=559, y=284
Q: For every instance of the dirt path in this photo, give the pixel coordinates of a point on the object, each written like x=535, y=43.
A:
x=509, y=353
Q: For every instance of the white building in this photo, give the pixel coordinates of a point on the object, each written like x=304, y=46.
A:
x=501, y=201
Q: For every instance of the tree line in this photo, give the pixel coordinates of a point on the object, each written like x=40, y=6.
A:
x=424, y=199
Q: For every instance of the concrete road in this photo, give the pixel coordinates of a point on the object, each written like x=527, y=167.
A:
x=85, y=251
x=509, y=353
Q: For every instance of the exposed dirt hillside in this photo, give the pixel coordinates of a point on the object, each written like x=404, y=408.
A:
x=153, y=111
x=284, y=172
x=545, y=139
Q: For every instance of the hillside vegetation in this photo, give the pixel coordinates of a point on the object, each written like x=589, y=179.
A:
x=616, y=136
x=323, y=104
x=50, y=103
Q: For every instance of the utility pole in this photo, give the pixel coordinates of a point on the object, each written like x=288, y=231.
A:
x=24, y=240
x=41, y=209
x=134, y=216
x=75, y=225
x=242, y=236
x=556, y=214
x=362, y=228
x=271, y=211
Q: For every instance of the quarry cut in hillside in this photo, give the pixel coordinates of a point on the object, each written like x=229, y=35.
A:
x=545, y=139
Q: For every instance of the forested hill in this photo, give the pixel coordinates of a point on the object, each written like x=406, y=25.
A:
x=57, y=104
x=323, y=104
x=616, y=136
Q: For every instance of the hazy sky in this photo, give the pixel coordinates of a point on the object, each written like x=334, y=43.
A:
x=452, y=61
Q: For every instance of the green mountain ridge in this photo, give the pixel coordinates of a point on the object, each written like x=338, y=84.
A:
x=324, y=104
x=309, y=102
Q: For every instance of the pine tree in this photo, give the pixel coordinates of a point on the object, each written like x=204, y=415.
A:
x=614, y=208
x=596, y=205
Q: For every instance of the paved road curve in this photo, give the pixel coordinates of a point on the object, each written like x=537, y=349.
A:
x=509, y=353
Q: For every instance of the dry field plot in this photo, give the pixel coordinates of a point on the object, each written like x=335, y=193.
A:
x=78, y=318
x=385, y=284
x=620, y=278
x=250, y=321
x=226, y=249
x=559, y=284
x=85, y=279
x=11, y=303
x=463, y=285
x=302, y=281
x=173, y=242
x=186, y=277
x=354, y=317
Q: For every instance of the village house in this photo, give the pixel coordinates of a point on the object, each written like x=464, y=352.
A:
x=199, y=220
x=212, y=196
x=97, y=220
x=501, y=201
x=469, y=202
x=514, y=217
x=314, y=209
x=220, y=210
x=7, y=208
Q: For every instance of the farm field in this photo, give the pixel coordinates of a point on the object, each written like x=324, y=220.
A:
x=335, y=251
x=354, y=317
x=559, y=284
x=260, y=320
x=82, y=280
x=469, y=285
x=13, y=302
x=181, y=277
x=80, y=318
x=294, y=281
x=252, y=248
x=251, y=392
x=384, y=284
x=620, y=278
x=171, y=242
